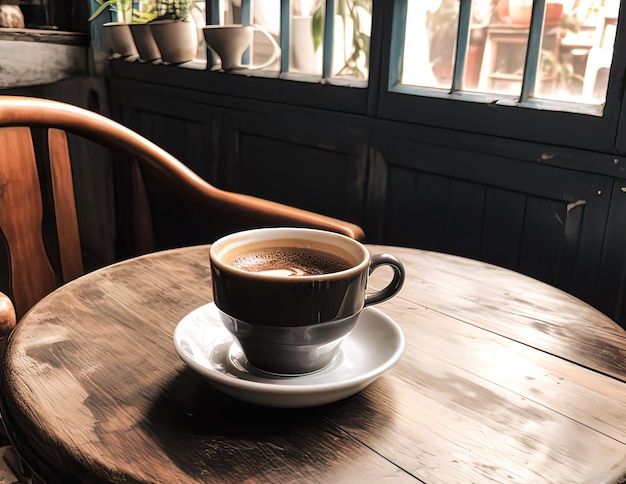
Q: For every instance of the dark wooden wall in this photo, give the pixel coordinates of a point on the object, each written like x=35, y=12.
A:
x=515, y=204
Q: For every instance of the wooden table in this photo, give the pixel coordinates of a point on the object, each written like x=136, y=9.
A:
x=504, y=379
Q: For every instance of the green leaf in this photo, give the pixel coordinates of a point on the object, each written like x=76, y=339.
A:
x=102, y=8
x=317, y=27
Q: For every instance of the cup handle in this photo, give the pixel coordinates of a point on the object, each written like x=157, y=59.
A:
x=396, y=283
x=276, y=54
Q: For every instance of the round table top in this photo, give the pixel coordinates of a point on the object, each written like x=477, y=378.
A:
x=503, y=379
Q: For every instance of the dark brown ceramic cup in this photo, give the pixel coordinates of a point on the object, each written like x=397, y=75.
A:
x=290, y=296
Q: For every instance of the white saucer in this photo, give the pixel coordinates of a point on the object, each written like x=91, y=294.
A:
x=373, y=347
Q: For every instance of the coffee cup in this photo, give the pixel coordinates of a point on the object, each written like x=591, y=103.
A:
x=290, y=296
x=230, y=42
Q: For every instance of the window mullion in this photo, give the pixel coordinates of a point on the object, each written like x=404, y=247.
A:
x=396, y=50
x=463, y=34
x=247, y=7
x=214, y=12
x=533, y=52
x=285, y=34
x=329, y=30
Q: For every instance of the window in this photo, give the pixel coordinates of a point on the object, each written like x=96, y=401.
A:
x=551, y=54
x=474, y=66
x=548, y=71
x=324, y=39
x=513, y=50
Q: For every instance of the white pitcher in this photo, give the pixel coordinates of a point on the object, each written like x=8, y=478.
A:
x=230, y=42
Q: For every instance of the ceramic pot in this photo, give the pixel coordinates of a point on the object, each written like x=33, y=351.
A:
x=303, y=57
x=119, y=39
x=145, y=43
x=230, y=42
x=176, y=40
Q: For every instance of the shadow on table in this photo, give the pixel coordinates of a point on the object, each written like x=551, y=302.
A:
x=193, y=422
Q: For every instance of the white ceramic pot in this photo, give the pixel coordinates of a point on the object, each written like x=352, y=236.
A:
x=230, y=42
x=120, y=39
x=303, y=57
x=145, y=43
x=176, y=40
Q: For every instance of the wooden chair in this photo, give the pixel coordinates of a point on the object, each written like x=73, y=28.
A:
x=31, y=273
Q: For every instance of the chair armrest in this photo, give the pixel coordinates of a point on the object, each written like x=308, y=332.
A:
x=7, y=315
x=23, y=111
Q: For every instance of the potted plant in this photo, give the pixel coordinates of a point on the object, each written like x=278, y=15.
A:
x=174, y=31
x=117, y=32
x=351, y=36
x=145, y=11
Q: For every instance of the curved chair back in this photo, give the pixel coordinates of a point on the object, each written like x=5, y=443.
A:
x=44, y=251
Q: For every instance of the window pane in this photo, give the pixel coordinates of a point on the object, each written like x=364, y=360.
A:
x=198, y=14
x=347, y=35
x=430, y=42
x=585, y=51
x=265, y=14
x=307, y=36
x=353, y=25
x=573, y=57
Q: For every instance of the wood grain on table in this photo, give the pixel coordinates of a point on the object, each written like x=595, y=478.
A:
x=504, y=379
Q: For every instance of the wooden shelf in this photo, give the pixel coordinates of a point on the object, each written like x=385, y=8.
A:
x=31, y=57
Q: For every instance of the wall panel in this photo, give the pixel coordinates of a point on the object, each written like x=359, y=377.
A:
x=295, y=174
x=610, y=294
x=503, y=227
x=188, y=134
x=543, y=221
x=465, y=219
x=494, y=200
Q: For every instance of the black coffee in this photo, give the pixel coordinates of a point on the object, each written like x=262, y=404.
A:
x=290, y=261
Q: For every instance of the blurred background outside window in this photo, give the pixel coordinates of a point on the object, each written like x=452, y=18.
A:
x=575, y=54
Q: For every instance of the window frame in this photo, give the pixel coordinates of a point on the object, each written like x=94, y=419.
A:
x=532, y=120
x=288, y=88
x=347, y=96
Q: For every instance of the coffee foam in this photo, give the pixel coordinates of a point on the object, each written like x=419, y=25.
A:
x=289, y=261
